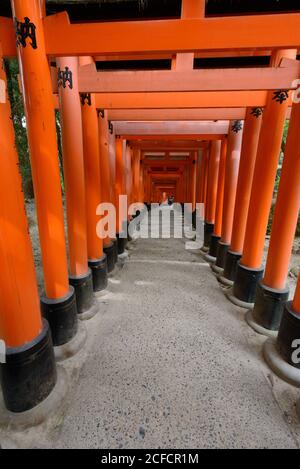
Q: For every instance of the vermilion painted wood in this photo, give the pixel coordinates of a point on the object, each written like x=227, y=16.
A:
x=128, y=174
x=167, y=145
x=264, y=175
x=176, y=114
x=136, y=166
x=171, y=128
x=92, y=173
x=178, y=100
x=41, y=130
x=247, y=162
x=120, y=177
x=184, y=79
x=20, y=318
x=72, y=142
x=286, y=209
x=183, y=35
x=231, y=178
x=167, y=36
x=213, y=171
x=193, y=8
x=107, y=195
x=220, y=190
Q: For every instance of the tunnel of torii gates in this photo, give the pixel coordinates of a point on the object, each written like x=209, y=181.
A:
x=209, y=136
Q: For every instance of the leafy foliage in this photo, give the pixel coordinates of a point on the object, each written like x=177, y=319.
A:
x=19, y=121
x=277, y=181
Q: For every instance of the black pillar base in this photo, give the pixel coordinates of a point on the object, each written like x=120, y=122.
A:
x=29, y=374
x=61, y=315
x=110, y=256
x=213, y=247
x=246, y=280
x=121, y=244
x=99, y=272
x=221, y=254
x=230, y=266
x=129, y=238
x=269, y=306
x=288, y=336
x=194, y=218
x=208, y=231
x=115, y=243
x=84, y=292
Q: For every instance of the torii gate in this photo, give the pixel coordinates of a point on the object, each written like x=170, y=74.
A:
x=36, y=39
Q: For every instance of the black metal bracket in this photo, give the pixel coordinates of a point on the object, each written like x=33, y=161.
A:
x=101, y=113
x=65, y=76
x=110, y=127
x=280, y=96
x=257, y=111
x=86, y=98
x=24, y=30
x=237, y=126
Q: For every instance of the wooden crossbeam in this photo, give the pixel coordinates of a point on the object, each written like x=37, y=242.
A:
x=176, y=114
x=171, y=128
x=188, y=80
x=181, y=100
x=167, y=145
x=162, y=36
x=168, y=137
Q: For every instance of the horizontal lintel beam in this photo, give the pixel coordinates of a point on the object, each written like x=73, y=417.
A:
x=167, y=36
x=182, y=100
x=171, y=128
x=235, y=79
x=168, y=137
x=177, y=114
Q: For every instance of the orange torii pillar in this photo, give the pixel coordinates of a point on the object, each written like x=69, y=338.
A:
x=200, y=194
x=204, y=174
x=141, y=184
x=235, y=137
x=194, y=187
x=199, y=204
x=250, y=269
x=136, y=167
x=72, y=143
x=251, y=132
x=199, y=176
x=216, y=236
x=272, y=292
x=212, y=187
x=128, y=184
x=121, y=222
x=106, y=186
x=29, y=374
x=112, y=173
x=59, y=303
x=136, y=178
x=283, y=354
x=96, y=256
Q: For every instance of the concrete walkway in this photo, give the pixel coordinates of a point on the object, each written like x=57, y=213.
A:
x=172, y=364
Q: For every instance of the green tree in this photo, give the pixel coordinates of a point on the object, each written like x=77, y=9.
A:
x=19, y=121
